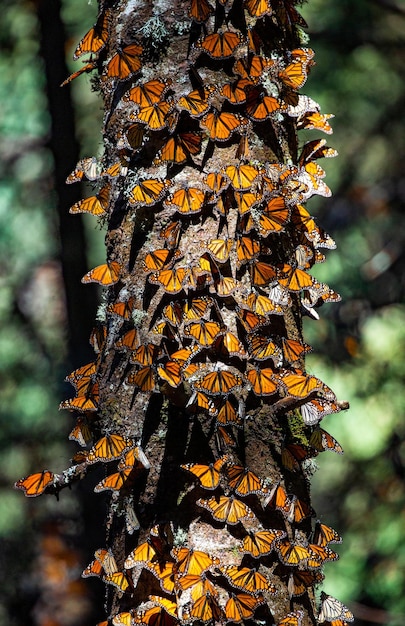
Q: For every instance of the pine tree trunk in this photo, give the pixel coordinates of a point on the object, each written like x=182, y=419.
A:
x=199, y=388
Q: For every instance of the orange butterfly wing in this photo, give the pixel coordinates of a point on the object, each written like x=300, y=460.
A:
x=35, y=484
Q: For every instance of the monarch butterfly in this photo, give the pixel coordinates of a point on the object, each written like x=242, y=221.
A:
x=293, y=350
x=225, y=438
x=187, y=200
x=143, y=378
x=116, y=482
x=250, y=580
x=322, y=440
x=300, y=580
x=145, y=354
x=227, y=345
x=35, y=484
x=171, y=234
x=218, y=382
x=158, y=259
x=292, y=554
x=200, y=10
x=263, y=348
x=261, y=273
x=81, y=432
x=86, y=168
x=274, y=216
x=216, y=182
x=292, y=455
x=220, y=45
x=260, y=106
x=121, y=619
x=122, y=309
x=125, y=62
x=241, y=606
x=244, y=482
x=85, y=370
x=262, y=305
x=320, y=554
x=226, y=509
x=192, y=562
x=107, y=274
x=324, y=534
x=134, y=457
x=156, y=616
x=332, y=609
x=235, y=92
x=221, y=125
x=315, y=149
x=143, y=553
x=294, y=279
x=89, y=67
x=301, y=385
x=219, y=249
x=197, y=307
x=197, y=102
x=261, y=543
x=80, y=403
x=148, y=93
x=171, y=280
x=316, y=120
x=263, y=382
x=241, y=176
x=279, y=499
x=258, y=8
x=96, y=38
x=171, y=373
x=104, y=562
x=154, y=116
x=148, y=192
x=208, y=475
x=109, y=448
x=292, y=619
x=201, y=586
x=252, y=67
x=179, y=148
x=246, y=200
x=204, y=332
x=96, y=205
x=228, y=413
x=247, y=249
x=294, y=75
x=206, y=609
x=118, y=580
x=165, y=572
x=313, y=411
x=251, y=321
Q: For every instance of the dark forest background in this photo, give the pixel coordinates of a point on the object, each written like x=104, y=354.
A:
x=359, y=343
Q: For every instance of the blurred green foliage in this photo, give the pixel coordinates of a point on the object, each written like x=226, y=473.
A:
x=358, y=344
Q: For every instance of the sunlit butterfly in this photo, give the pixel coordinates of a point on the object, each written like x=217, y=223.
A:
x=125, y=62
x=292, y=554
x=263, y=381
x=292, y=619
x=322, y=440
x=89, y=67
x=332, y=609
x=96, y=38
x=35, y=484
x=86, y=168
x=158, y=259
x=316, y=120
x=221, y=125
x=82, y=403
x=197, y=102
x=262, y=305
x=263, y=348
x=227, y=344
x=236, y=92
x=249, y=580
x=247, y=248
x=147, y=192
x=122, y=309
x=179, y=148
x=319, y=555
x=146, y=94
x=258, y=8
x=241, y=176
x=171, y=373
x=171, y=280
x=219, y=249
x=300, y=385
x=187, y=200
x=324, y=534
x=274, y=216
x=208, y=475
x=145, y=354
x=165, y=572
x=117, y=481
x=144, y=378
x=81, y=433
x=192, y=561
x=118, y=580
x=294, y=75
x=251, y=321
x=220, y=45
x=252, y=67
x=141, y=554
x=218, y=382
x=260, y=106
x=121, y=619
x=226, y=509
x=154, y=116
x=155, y=616
x=107, y=274
x=243, y=481
x=294, y=279
x=261, y=543
x=109, y=448
x=204, y=332
x=241, y=606
x=96, y=205
x=206, y=608
x=228, y=413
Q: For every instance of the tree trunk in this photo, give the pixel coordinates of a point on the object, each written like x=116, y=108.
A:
x=199, y=388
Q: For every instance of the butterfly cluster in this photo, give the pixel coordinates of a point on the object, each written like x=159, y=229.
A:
x=209, y=255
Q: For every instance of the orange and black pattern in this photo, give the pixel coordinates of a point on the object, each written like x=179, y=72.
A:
x=207, y=184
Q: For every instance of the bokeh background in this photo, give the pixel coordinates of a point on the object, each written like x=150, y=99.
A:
x=359, y=344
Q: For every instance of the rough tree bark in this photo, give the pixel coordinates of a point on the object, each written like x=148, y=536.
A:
x=198, y=400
